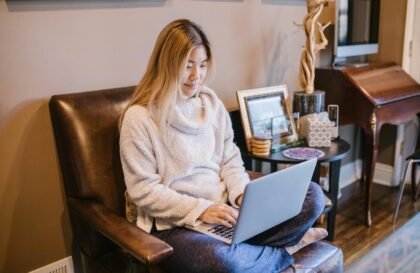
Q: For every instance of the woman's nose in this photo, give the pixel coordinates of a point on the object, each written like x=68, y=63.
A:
x=194, y=75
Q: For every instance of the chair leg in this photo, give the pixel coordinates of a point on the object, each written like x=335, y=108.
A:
x=401, y=190
x=414, y=182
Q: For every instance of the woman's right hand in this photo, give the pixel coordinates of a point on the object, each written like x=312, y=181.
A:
x=221, y=214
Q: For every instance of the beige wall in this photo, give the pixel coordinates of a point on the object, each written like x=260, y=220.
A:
x=56, y=47
x=391, y=36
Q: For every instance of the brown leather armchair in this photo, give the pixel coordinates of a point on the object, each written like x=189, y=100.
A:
x=86, y=133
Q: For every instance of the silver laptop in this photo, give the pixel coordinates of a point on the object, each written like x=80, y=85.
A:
x=268, y=201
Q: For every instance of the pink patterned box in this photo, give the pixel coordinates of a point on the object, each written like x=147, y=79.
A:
x=317, y=129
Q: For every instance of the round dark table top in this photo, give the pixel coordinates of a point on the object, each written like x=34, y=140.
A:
x=338, y=150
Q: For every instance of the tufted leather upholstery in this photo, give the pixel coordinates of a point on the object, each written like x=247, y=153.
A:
x=86, y=133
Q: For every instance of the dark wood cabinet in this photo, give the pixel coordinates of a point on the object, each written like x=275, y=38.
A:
x=369, y=97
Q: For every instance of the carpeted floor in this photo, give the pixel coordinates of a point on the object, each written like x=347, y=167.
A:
x=400, y=252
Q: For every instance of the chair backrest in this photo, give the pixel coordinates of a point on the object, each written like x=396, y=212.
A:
x=239, y=138
x=86, y=133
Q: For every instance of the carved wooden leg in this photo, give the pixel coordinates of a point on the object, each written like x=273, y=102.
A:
x=372, y=137
x=362, y=155
x=369, y=171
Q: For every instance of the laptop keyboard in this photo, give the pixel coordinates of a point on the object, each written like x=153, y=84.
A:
x=223, y=231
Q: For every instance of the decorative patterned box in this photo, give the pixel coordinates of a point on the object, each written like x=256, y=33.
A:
x=317, y=129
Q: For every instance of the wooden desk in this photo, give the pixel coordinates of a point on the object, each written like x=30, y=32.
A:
x=370, y=97
x=338, y=150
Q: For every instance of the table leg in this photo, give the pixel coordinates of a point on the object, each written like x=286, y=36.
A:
x=371, y=153
x=364, y=156
x=247, y=163
x=333, y=190
x=369, y=172
x=258, y=165
x=317, y=173
x=273, y=167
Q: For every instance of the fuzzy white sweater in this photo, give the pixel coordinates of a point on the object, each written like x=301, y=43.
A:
x=173, y=182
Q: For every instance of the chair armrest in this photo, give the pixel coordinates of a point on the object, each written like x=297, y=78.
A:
x=143, y=246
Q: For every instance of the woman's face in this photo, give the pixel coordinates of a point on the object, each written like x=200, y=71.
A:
x=195, y=72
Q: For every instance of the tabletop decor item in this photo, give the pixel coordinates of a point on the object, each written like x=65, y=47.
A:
x=316, y=128
x=261, y=145
x=303, y=153
x=310, y=100
x=265, y=112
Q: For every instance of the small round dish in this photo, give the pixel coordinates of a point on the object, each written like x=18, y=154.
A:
x=303, y=153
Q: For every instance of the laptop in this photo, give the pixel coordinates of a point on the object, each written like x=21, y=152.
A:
x=267, y=201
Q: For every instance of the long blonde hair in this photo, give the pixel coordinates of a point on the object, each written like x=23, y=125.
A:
x=159, y=87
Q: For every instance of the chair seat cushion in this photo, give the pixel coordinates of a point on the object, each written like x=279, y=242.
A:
x=320, y=257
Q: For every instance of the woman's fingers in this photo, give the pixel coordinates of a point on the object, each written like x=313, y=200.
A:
x=230, y=214
x=220, y=214
x=227, y=220
x=225, y=223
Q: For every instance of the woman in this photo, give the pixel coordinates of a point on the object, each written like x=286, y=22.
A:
x=181, y=166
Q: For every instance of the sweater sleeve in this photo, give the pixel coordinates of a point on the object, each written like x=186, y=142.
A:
x=144, y=182
x=232, y=171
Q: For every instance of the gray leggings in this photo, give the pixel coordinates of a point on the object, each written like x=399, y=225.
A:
x=198, y=253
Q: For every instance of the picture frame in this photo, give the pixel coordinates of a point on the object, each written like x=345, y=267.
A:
x=265, y=112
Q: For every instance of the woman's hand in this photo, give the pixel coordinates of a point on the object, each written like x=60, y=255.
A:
x=221, y=214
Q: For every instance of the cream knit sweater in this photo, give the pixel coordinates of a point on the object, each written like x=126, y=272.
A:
x=172, y=182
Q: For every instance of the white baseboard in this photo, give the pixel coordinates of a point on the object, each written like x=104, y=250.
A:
x=62, y=266
x=351, y=172
x=383, y=174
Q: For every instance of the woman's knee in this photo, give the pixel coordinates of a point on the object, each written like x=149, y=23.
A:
x=315, y=199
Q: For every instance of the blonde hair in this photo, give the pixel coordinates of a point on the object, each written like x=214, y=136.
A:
x=159, y=87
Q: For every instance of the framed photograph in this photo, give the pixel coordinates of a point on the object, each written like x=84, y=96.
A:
x=265, y=113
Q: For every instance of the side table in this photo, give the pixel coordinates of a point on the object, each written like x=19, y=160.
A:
x=333, y=154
